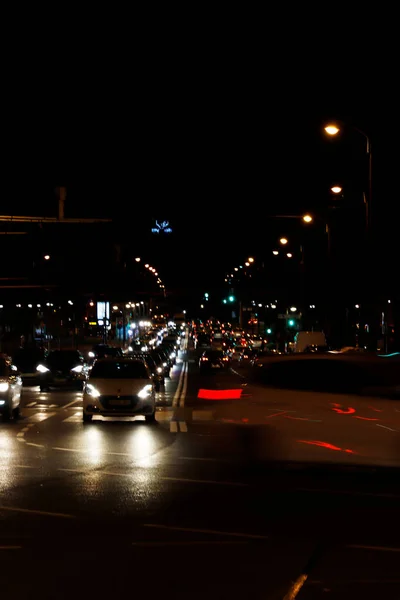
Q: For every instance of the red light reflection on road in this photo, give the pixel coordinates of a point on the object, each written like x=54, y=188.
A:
x=219, y=394
x=345, y=411
x=326, y=445
x=365, y=418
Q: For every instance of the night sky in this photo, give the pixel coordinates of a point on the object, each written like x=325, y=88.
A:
x=214, y=164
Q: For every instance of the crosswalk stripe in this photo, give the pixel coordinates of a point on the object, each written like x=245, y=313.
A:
x=30, y=404
x=39, y=417
x=75, y=418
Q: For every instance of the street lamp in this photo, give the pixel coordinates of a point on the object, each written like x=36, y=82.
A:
x=250, y=259
x=307, y=218
x=331, y=129
x=275, y=252
x=46, y=257
x=336, y=189
x=137, y=259
x=283, y=241
x=289, y=255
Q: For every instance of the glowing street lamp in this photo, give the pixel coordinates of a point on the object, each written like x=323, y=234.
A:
x=250, y=259
x=46, y=257
x=332, y=129
x=283, y=241
x=275, y=252
x=307, y=219
x=336, y=189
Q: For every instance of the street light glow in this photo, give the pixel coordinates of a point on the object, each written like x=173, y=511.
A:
x=137, y=259
x=289, y=255
x=293, y=308
x=307, y=218
x=331, y=129
x=250, y=259
x=247, y=264
x=336, y=189
x=46, y=257
x=283, y=241
x=275, y=252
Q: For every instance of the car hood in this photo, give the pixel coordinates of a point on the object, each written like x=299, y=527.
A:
x=119, y=387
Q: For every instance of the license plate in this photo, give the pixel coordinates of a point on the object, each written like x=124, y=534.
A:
x=215, y=366
x=119, y=402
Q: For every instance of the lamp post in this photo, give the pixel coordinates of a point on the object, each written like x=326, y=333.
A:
x=333, y=130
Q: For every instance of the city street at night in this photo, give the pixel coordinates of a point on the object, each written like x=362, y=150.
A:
x=274, y=479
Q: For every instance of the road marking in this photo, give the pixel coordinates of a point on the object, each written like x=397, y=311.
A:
x=35, y=512
x=185, y=384
x=204, y=481
x=177, y=394
x=39, y=417
x=384, y=427
x=198, y=543
x=10, y=547
x=173, y=427
x=30, y=404
x=75, y=418
x=348, y=493
x=295, y=588
x=71, y=403
x=251, y=536
x=24, y=467
x=20, y=439
x=25, y=429
x=35, y=445
x=53, y=405
x=183, y=426
x=20, y=434
x=69, y=449
x=199, y=458
x=373, y=548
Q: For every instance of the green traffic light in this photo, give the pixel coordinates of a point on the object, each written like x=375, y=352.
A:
x=224, y=300
x=269, y=330
x=291, y=323
x=231, y=298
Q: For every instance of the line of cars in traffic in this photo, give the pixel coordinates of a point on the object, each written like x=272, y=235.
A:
x=113, y=381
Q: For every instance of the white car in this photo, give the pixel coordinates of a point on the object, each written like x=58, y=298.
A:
x=10, y=389
x=120, y=387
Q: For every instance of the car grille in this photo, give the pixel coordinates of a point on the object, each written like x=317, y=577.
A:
x=108, y=401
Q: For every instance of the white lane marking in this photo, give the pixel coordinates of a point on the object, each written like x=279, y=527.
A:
x=183, y=426
x=10, y=547
x=30, y=425
x=384, y=427
x=69, y=449
x=25, y=429
x=20, y=439
x=205, y=481
x=71, y=403
x=30, y=404
x=35, y=445
x=178, y=389
x=185, y=384
x=373, y=548
x=198, y=543
x=75, y=418
x=35, y=512
x=20, y=434
x=173, y=427
x=251, y=536
x=199, y=458
x=24, y=467
x=53, y=405
x=295, y=587
x=348, y=493
x=39, y=417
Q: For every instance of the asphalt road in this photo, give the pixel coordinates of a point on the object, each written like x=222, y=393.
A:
x=237, y=490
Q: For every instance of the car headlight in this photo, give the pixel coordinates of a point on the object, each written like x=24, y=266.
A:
x=91, y=354
x=77, y=369
x=164, y=364
x=173, y=355
x=92, y=391
x=159, y=370
x=3, y=386
x=146, y=391
x=42, y=369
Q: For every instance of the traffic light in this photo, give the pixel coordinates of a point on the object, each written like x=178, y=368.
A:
x=206, y=295
x=269, y=330
x=231, y=298
x=291, y=323
x=224, y=300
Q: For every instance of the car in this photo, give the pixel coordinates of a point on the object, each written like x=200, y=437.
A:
x=157, y=370
x=10, y=389
x=62, y=368
x=27, y=360
x=119, y=387
x=213, y=359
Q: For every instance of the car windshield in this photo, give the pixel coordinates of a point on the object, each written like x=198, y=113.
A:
x=119, y=370
x=63, y=357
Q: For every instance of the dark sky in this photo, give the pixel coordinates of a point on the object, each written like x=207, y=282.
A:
x=214, y=157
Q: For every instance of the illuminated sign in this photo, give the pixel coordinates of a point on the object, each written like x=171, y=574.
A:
x=103, y=311
x=161, y=227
